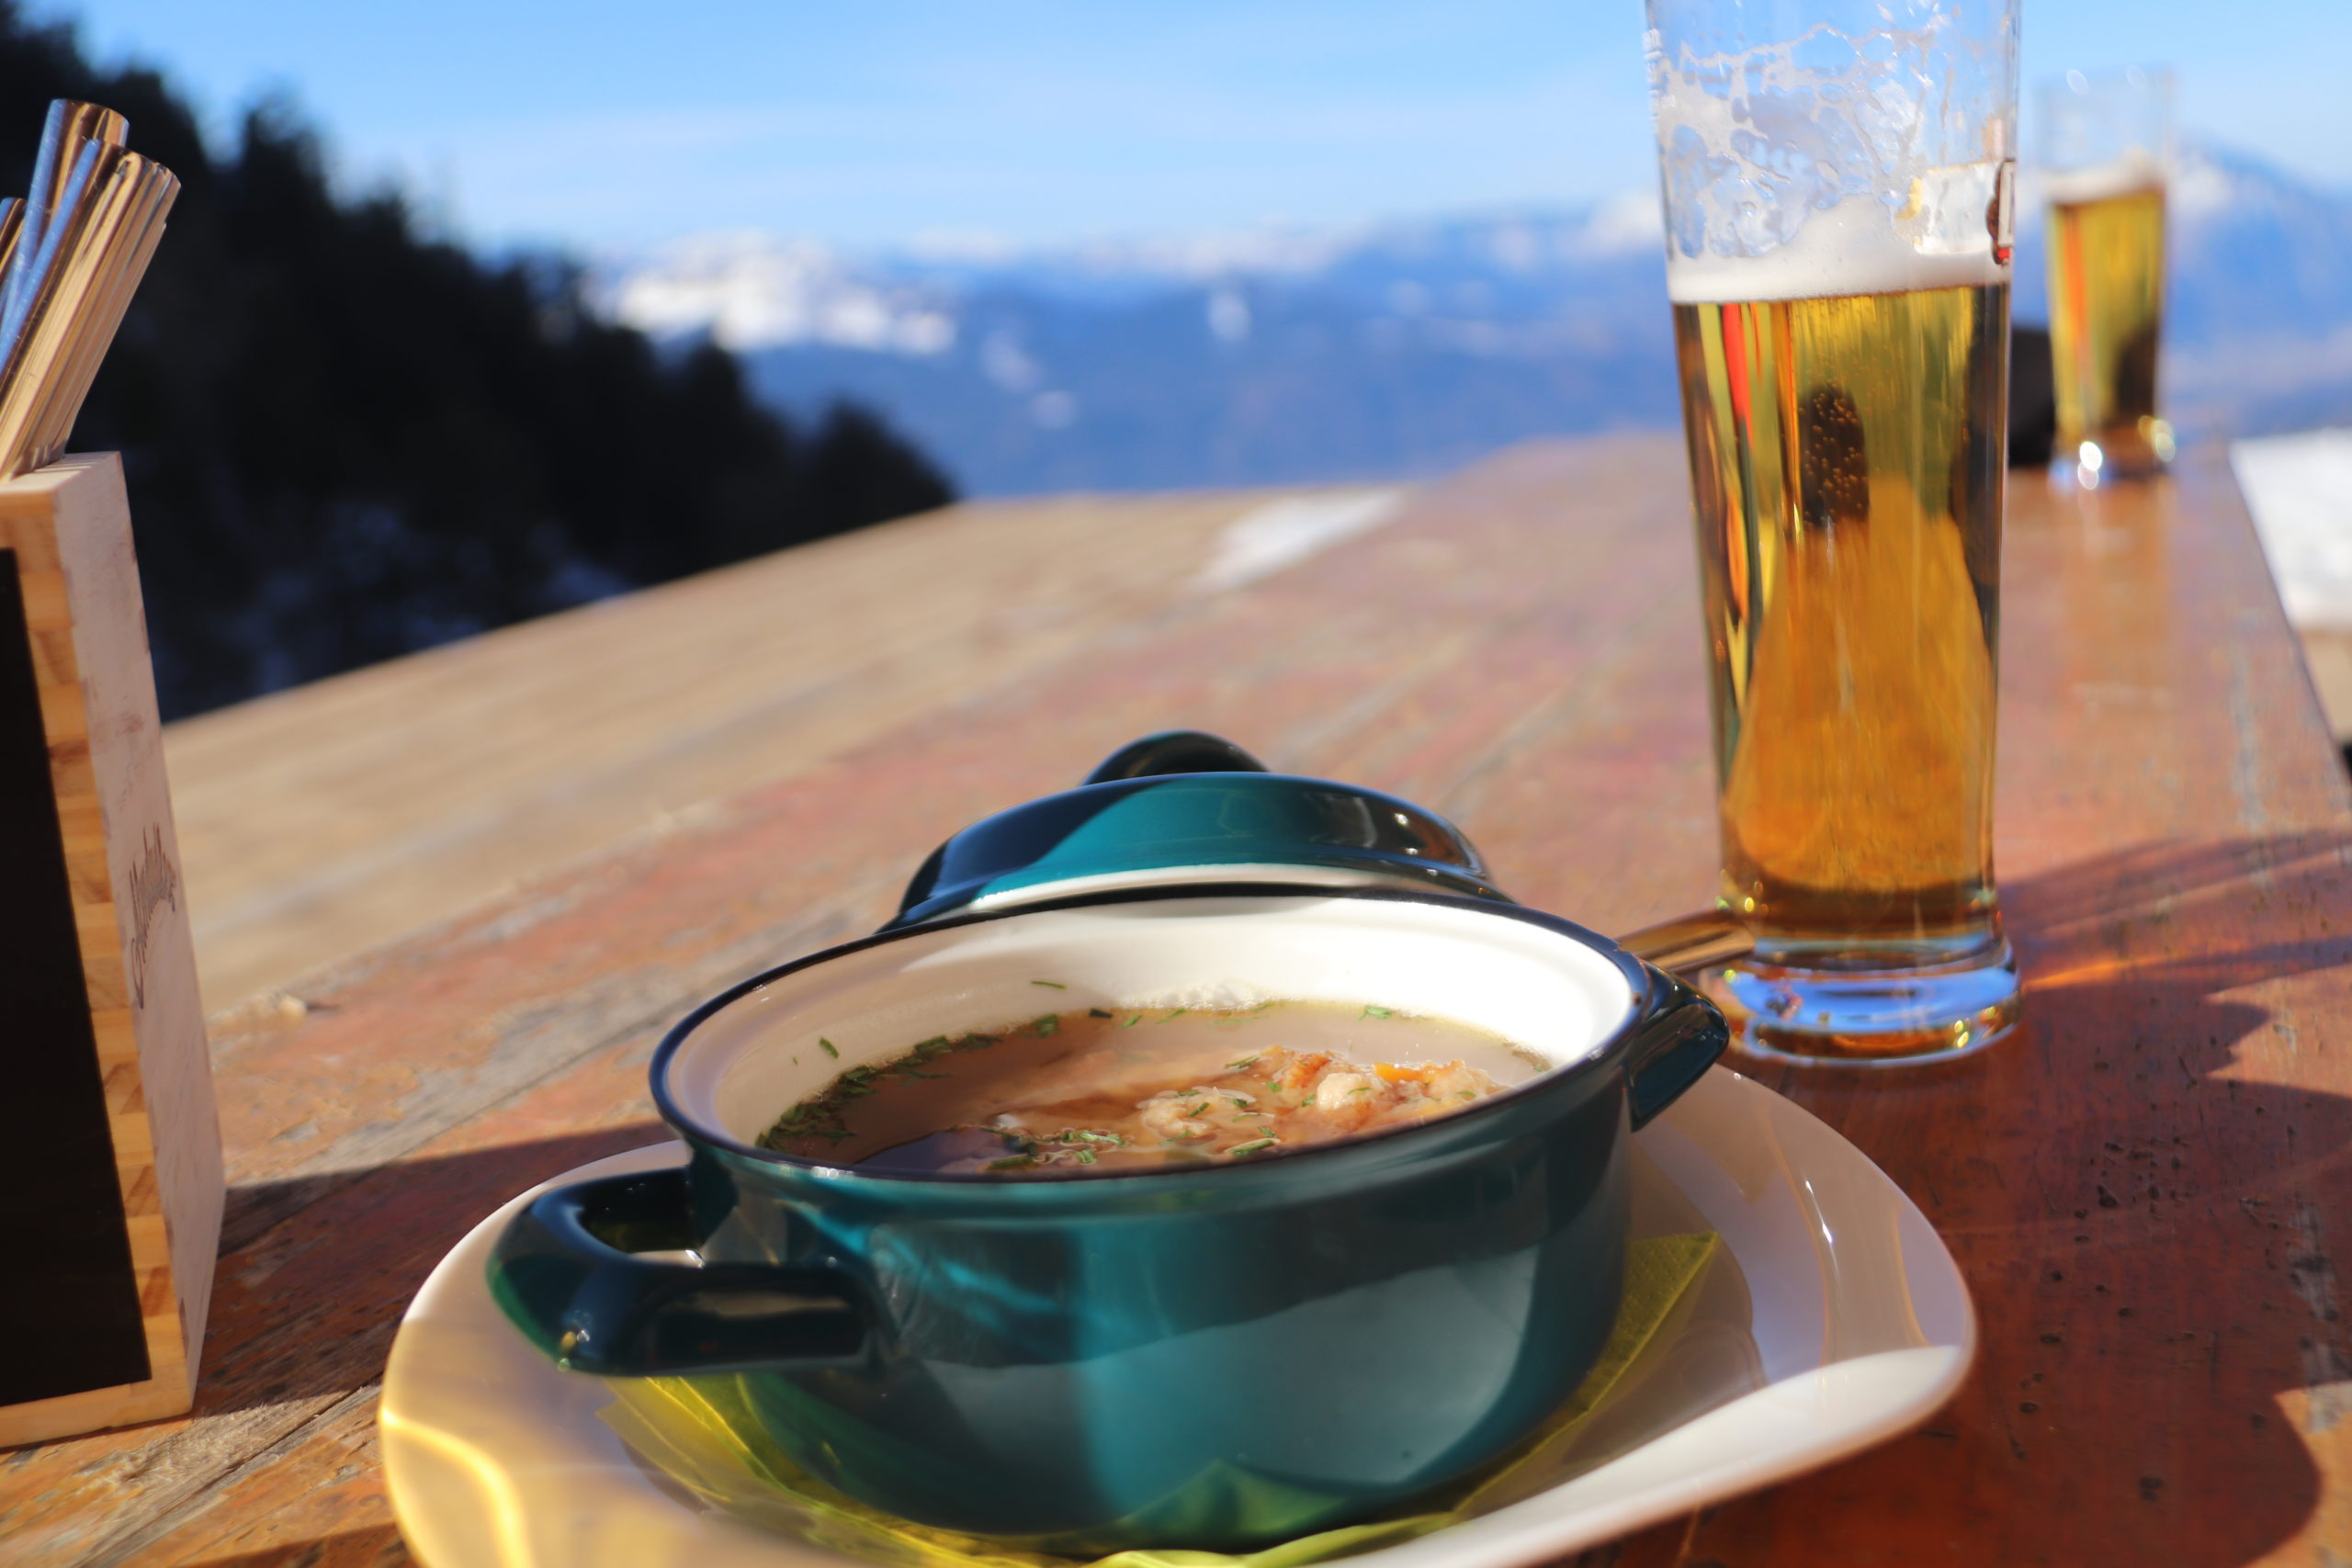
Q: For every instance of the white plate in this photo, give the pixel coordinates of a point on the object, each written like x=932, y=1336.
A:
x=1832, y=1320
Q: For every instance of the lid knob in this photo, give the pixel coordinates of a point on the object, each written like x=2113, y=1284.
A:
x=1175, y=752
x=1184, y=808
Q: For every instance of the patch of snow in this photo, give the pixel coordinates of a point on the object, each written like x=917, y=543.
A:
x=2299, y=490
x=967, y=246
x=1623, y=225
x=1516, y=248
x=2200, y=188
x=748, y=291
x=1003, y=362
x=1221, y=254
x=1267, y=539
x=1228, y=317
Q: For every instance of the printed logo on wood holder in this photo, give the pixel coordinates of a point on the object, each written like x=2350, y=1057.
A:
x=154, y=884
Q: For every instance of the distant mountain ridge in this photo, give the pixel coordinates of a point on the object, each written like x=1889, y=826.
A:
x=1394, y=349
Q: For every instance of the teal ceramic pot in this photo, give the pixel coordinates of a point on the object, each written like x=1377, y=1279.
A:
x=1214, y=1356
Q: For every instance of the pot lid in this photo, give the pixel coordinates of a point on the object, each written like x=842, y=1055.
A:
x=1186, y=807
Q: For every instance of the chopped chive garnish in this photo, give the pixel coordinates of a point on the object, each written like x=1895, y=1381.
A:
x=1133, y=1021
x=1084, y=1157
x=829, y=1048
x=1240, y=1100
x=835, y=1134
x=1096, y=1012
x=1050, y=985
x=1253, y=1147
x=1245, y=1062
x=1259, y=1008
x=1047, y=1025
x=1372, y=1011
x=1360, y=1088
x=1197, y=1109
x=1177, y=1014
x=1012, y=1162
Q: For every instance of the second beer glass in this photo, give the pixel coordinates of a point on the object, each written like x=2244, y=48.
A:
x=1839, y=183
x=2105, y=146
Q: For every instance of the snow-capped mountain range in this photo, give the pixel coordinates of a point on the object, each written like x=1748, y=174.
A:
x=1396, y=349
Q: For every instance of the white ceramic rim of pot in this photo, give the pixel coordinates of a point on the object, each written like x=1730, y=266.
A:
x=1546, y=985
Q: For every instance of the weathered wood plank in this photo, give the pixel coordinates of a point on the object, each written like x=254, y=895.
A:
x=325, y=820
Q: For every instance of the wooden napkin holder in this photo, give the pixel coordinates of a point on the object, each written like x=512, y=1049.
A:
x=111, y=1176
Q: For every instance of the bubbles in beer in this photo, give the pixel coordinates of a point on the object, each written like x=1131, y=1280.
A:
x=1846, y=455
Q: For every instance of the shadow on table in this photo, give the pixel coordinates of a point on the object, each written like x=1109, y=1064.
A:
x=255, y=1208
x=317, y=1270
x=379, y=1547
x=2143, y=1217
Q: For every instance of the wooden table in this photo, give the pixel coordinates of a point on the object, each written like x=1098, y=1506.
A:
x=2146, y=1189
x=347, y=813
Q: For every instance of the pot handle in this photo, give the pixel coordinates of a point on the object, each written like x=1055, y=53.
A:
x=1690, y=941
x=1680, y=1035
x=567, y=1270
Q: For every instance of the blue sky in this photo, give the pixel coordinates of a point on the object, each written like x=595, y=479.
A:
x=872, y=122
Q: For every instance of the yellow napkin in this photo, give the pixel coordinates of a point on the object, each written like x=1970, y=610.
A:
x=694, y=1429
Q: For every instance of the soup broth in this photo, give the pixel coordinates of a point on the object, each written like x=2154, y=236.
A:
x=1100, y=1090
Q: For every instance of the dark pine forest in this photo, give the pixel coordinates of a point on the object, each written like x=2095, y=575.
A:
x=346, y=440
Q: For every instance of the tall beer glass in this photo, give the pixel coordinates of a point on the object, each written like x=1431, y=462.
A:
x=1838, y=179
x=2104, y=146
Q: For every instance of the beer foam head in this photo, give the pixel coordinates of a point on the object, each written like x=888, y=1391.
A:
x=2105, y=136
x=1857, y=161
x=1855, y=247
x=2137, y=170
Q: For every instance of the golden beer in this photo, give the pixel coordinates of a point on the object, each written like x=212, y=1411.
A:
x=2107, y=303
x=1846, y=460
